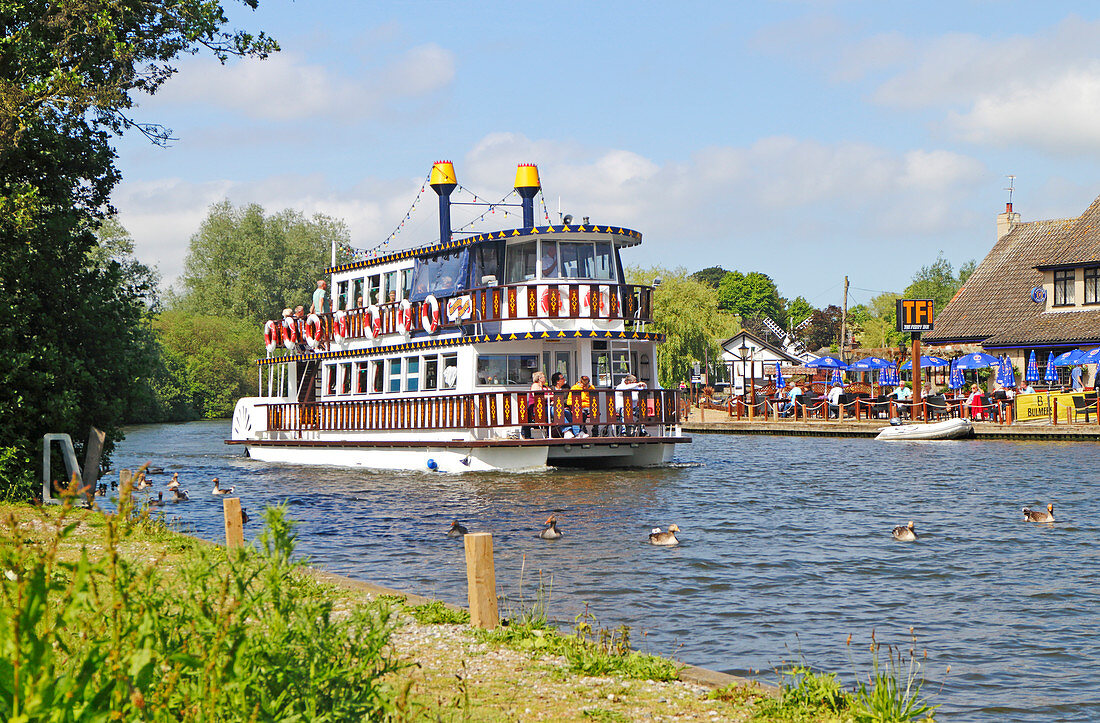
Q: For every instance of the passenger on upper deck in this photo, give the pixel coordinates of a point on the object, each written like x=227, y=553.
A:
x=320, y=302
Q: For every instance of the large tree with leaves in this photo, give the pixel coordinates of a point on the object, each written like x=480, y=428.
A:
x=69, y=74
x=751, y=294
x=246, y=264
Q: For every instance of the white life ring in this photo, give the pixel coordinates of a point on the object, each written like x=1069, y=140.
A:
x=405, y=317
x=373, y=327
x=290, y=332
x=340, y=326
x=272, y=337
x=314, y=331
x=429, y=314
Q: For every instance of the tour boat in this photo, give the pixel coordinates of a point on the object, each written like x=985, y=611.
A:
x=947, y=429
x=427, y=361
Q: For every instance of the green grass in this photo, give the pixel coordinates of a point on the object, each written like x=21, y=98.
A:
x=437, y=613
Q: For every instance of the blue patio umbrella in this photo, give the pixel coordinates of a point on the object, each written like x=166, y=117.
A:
x=779, y=382
x=869, y=363
x=1032, y=374
x=1001, y=371
x=888, y=376
x=1052, y=373
x=1092, y=356
x=977, y=361
x=1008, y=374
x=826, y=362
x=955, y=380
x=838, y=381
x=1069, y=358
x=926, y=362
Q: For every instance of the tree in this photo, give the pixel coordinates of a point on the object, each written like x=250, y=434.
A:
x=248, y=265
x=751, y=294
x=823, y=329
x=879, y=329
x=798, y=311
x=711, y=276
x=684, y=311
x=938, y=281
x=68, y=73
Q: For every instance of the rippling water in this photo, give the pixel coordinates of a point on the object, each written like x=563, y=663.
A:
x=785, y=551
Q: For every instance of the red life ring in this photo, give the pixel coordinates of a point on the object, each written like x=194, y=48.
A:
x=373, y=327
x=290, y=332
x=405, y=317
x=272, y=336
x=544, y=302
x=429, y=314
x=340, y=326
x=314, y=331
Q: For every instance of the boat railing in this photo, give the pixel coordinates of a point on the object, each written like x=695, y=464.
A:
x=474, y=307
x=599, y=412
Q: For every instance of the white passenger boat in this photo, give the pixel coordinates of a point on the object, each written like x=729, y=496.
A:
x=947, y=429
x=427, y=361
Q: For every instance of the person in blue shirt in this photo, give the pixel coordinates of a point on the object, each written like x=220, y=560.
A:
x=1075, y=377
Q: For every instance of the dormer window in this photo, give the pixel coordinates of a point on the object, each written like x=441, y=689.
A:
x=1092, y=285
x=1063, y=287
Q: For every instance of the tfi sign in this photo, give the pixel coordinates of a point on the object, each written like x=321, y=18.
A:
x=915, y=314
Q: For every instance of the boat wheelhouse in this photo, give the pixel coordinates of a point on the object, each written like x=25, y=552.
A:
x=427, y=358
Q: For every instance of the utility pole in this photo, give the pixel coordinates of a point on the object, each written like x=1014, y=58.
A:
x=844, y=323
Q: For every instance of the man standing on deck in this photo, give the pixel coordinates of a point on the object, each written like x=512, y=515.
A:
x=320, y=303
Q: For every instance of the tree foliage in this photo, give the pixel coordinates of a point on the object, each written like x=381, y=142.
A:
x=68, y=72
x=684, y=311
x=823, y=329
x=751, y=294
x=938, y=281
x=711, y=276
x=245, y=264
x=798, y=310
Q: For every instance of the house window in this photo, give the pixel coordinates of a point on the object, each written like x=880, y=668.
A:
x=1092, y=285
x=1063, y=287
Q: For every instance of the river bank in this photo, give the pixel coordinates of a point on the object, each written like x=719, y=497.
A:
x=444, y=669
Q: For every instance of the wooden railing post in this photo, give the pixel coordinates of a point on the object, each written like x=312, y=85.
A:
x=234, y=525
x=481, y=580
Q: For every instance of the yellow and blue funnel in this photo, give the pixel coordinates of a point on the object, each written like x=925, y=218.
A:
x=528, y=186
x=443, y=181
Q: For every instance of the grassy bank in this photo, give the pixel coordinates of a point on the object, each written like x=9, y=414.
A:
x=118, y=614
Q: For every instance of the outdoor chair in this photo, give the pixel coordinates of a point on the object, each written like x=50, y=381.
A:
x=1085, y=404
x=936, y=405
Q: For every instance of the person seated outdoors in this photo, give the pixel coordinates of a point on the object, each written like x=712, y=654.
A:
x=926, y=390
x=561, y=408
x=534, y=411
x=975, y=402
x=1028, y=389
x=629, y=382
x=834, y=401
x=791, y=405
x=585, y=402
x=902, y=394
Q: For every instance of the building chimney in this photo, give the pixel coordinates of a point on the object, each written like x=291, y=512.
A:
x=527, y=186
x=1006, y=221
x=443, y=182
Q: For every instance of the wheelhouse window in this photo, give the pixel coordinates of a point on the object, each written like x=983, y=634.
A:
x=1092, y=285
x=1063, y=287
x=550, y=263
x=500, y=369
x=577, y=260
x=485, y=262
x=520, y=262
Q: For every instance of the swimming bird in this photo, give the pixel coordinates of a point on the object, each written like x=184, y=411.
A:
x=905, y=533
x=666, y=538
x=174, y=483
x=158, y=502
x=142, y=483
x=180, y=495
x=155, y=470
x=244, y=516
x=456, y=530
x=551, y=531
x=1031, y=515
x=218, y=490
x=101, y=490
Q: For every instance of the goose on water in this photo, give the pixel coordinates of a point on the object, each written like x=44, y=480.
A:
x=905, y=533
x=180, y=495
x=142, y=483
x=219, y=490
x=174, y=483
x=456, y=530
x=1031, y=515
x=158, y=502
x=666, y=538
x=550, y=531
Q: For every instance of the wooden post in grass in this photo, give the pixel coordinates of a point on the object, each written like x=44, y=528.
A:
x=481, y=580
x=92, y=453
x=234, y=526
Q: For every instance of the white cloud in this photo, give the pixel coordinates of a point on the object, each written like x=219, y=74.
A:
x=286, y=87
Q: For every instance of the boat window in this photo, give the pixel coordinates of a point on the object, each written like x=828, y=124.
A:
x=357, y=294
x=406, y=283
x=395, y=375
x=603, y=266
x=450, y=371
x=601, y=368
x=431, y=373
x=345, y=378
x=361, y=377
x=374, y=289
x=377, y=376
x=412, y=374
x=520, y=263
x=391, y=287
x=441, y=275
x=549, y=257
x=485, y=262
x=496, y=369
x=331, y=369
x=644, y=371
x=577, y=260
x=341, y=295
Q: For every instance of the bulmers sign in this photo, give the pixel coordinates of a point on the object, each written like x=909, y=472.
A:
x=915, y=314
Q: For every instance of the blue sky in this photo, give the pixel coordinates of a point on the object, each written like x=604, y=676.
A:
x=807, y=140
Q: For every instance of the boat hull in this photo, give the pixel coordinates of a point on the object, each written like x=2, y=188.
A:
x=948, y=429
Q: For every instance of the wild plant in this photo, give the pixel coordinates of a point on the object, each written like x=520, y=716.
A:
x=892, y=690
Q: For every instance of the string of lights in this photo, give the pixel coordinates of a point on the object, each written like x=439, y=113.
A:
x=379, y=248
x=492, y=209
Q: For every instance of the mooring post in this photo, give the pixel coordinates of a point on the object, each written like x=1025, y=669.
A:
x=234, y=526
x=481, y=580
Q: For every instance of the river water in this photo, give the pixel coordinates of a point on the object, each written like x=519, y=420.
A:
x=785, y=551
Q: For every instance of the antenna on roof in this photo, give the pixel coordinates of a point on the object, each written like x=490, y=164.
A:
x=1009, y=188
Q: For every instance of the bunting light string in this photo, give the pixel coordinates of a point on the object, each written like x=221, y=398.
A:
x=375, y=251
x=492, y=210
x=542, y=201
